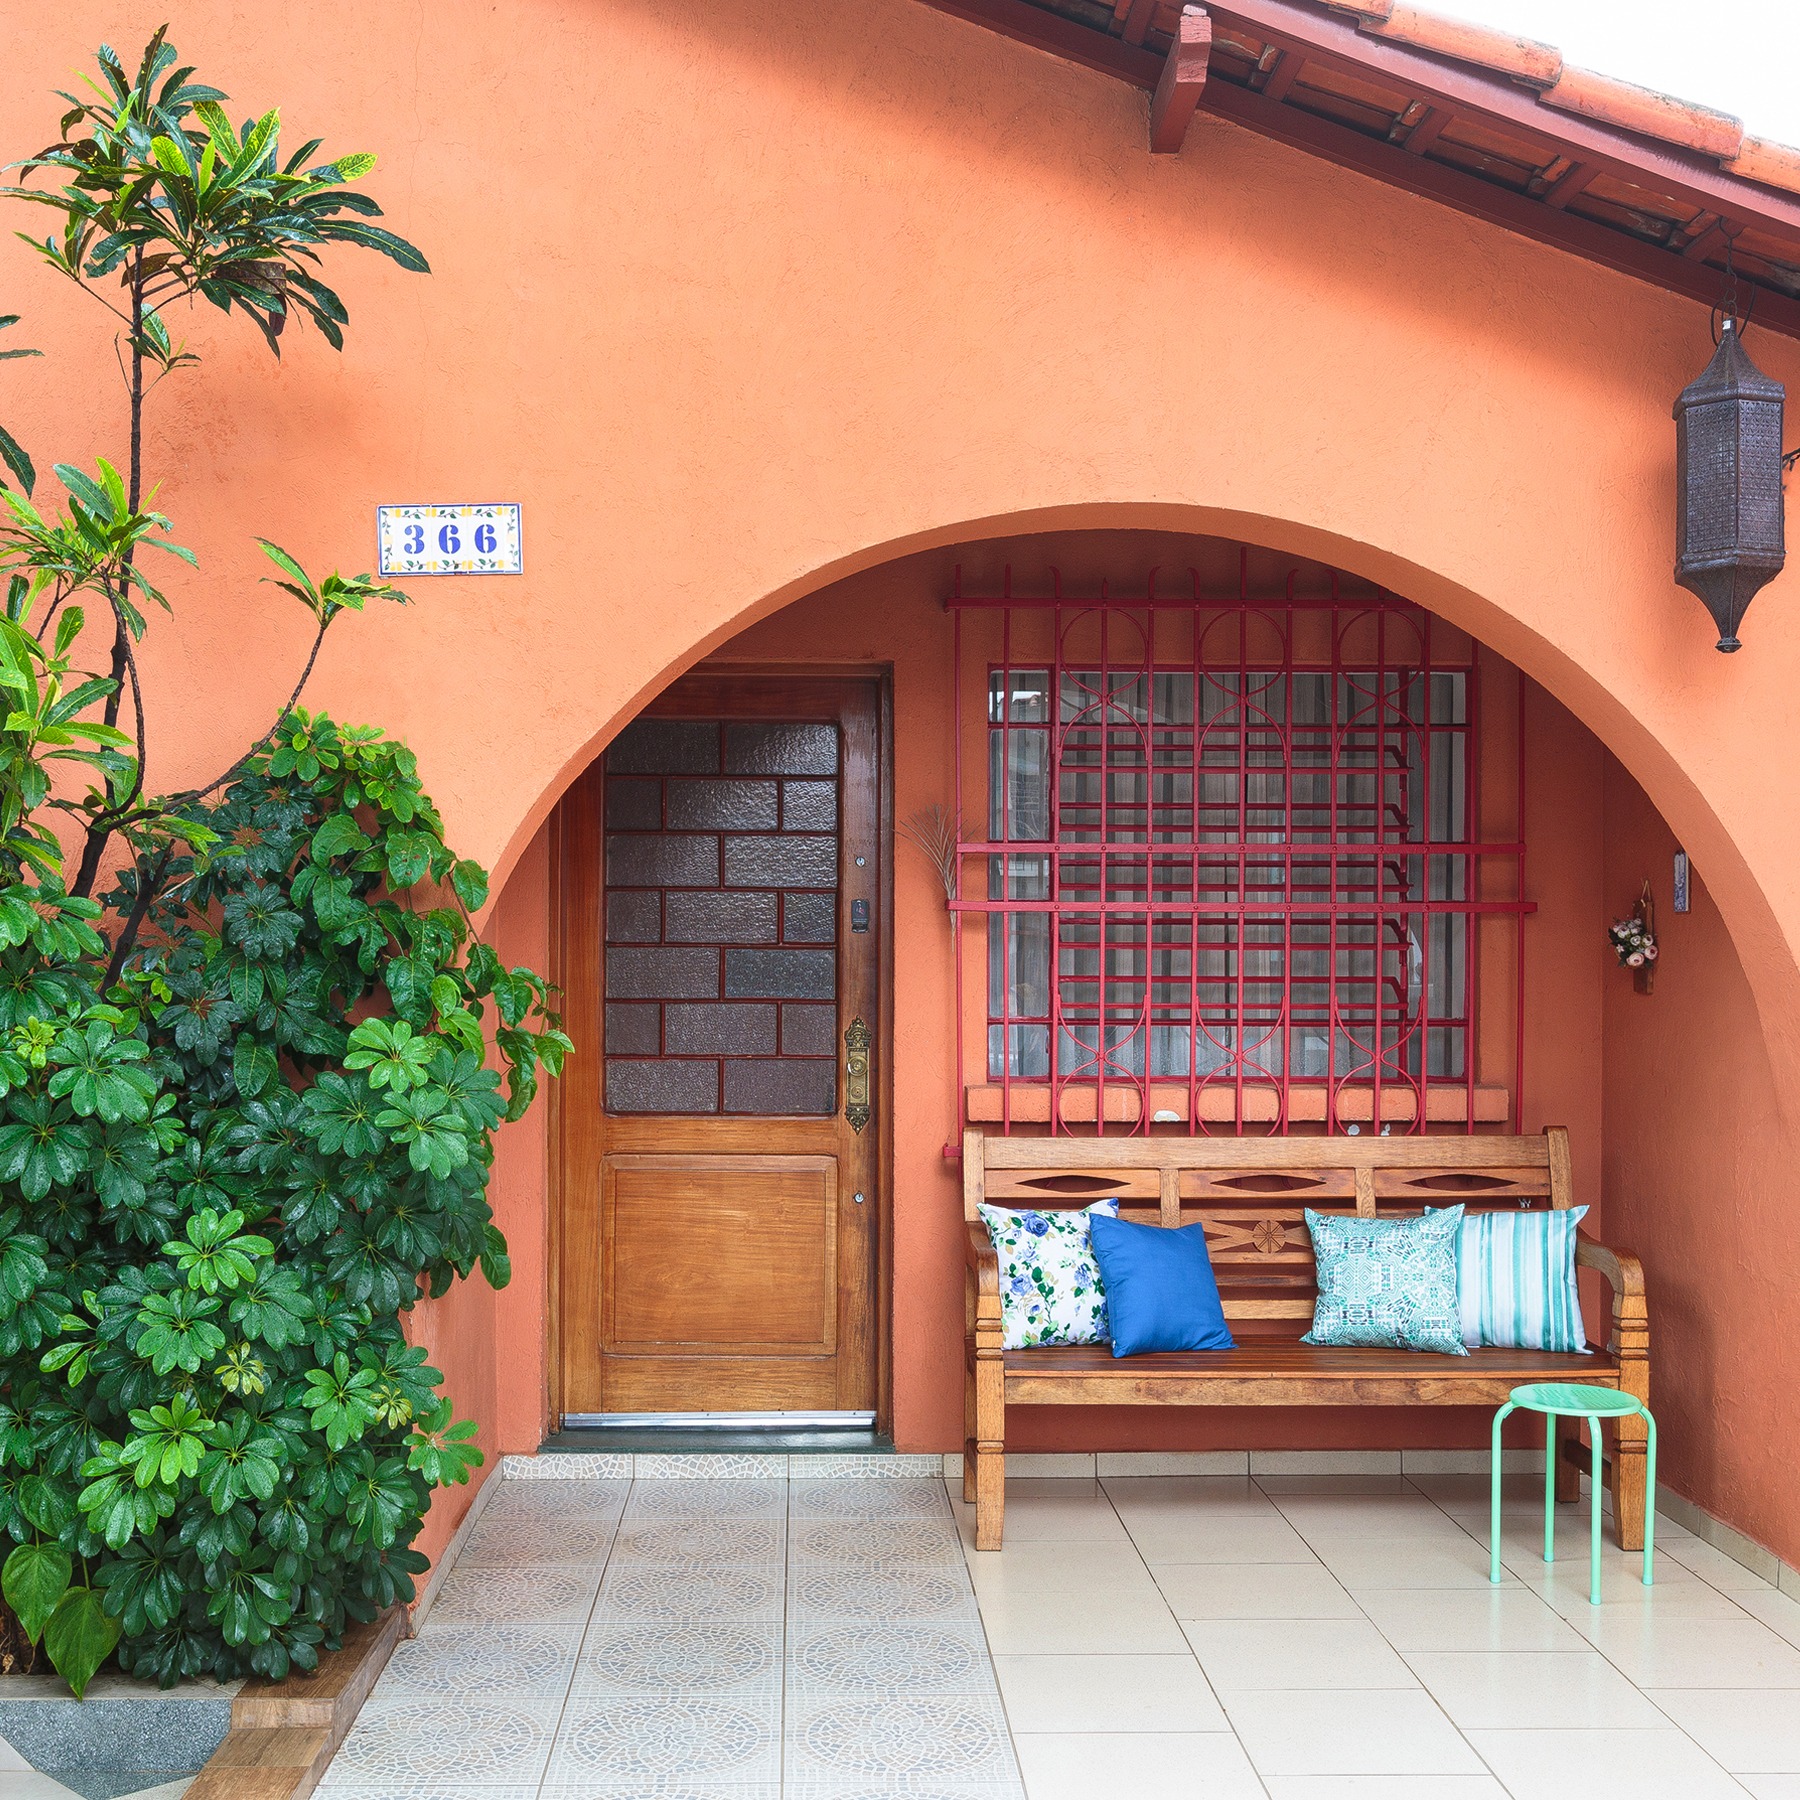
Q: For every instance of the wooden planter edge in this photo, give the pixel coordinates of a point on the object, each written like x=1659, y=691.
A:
x=284, y=1733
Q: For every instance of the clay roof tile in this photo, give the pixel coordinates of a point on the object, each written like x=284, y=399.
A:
x=1523, y=58
x=1774, y=165
x=1643, y=110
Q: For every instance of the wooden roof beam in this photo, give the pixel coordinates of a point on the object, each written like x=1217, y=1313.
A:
x=1181, y=83
x=1695, y=179
x=1467, y=193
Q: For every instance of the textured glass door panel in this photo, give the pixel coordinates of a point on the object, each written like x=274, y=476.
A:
x=722, y=897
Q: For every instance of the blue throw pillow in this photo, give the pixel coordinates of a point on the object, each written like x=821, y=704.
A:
x=1160, y=1291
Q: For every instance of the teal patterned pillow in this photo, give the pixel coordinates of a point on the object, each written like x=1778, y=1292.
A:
x=1050, y=1288
x=1387, y=1283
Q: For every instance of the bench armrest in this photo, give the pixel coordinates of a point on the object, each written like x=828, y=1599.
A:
x=1620, y=1267
x=983, y=1266
x=1630, y=1339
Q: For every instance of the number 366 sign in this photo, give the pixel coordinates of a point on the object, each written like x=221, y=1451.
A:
x=450, y=540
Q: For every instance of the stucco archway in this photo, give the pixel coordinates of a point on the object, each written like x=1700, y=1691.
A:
x=1625, y=719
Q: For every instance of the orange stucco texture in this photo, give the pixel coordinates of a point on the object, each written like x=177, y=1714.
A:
x=744, y=301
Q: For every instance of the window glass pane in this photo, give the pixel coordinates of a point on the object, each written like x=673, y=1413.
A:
x=1273, y=848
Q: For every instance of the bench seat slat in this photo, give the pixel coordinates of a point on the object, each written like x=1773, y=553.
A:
x=1287, y=1374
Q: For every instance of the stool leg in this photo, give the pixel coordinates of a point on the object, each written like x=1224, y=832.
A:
x=1594, y=1529
x=1650, y=1501
x=1494, y=1495
x=1549, y=1489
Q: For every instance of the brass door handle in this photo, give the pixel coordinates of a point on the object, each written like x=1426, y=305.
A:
x=856, y=1074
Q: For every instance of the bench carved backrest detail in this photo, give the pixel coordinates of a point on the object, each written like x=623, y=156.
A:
x=1252, y=1193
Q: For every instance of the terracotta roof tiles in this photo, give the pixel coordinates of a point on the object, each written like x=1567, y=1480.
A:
x=1539, y=65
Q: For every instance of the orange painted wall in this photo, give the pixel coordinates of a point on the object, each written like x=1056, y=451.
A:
x=493, y=1346
x=1699, y=1180
x=743, y=300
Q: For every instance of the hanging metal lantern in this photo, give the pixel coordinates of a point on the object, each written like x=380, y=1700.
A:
x=1728, y=524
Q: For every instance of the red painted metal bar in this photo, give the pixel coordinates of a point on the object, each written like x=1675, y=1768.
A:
x=1118, y=898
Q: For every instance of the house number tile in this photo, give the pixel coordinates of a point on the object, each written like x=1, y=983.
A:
x=477, y=539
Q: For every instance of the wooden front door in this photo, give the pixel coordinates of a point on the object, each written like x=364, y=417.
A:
x=720, y=873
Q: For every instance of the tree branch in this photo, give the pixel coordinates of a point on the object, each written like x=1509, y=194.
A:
x=293, y=700
x=149, y=880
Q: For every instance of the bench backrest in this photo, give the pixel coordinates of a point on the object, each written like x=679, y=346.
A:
x=1251, y=1193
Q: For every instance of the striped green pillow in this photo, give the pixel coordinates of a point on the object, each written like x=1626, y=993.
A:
x=1515, y=1280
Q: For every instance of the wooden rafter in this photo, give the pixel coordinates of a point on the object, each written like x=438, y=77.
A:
x=1576, y=150
x=1487, y=200
x=1183, y=80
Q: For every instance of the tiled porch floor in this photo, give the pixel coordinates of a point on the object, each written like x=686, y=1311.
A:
x=1153, y=1638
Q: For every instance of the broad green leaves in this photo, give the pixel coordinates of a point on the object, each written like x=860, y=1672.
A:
x=158, y=188
x=80, y=1637
x=35, y=1578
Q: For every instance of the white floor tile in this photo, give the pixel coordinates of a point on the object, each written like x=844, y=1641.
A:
x=1372, y=1732
x=1511, y=1690
x=1751, y=1731
x=1384, y=1787
x=1080, y=1624
x=1772, y=1787
x=1136, y=1766
x=1233, y=1539
x=30, y=1785
x=1490, y=1618
x=1603, y=1765
x=1188, y=1494
x=1780, y=1612
x=1402, y=1515
x=1253, y=1591
x=1061, y=1567
x=1276, y=1486
x=1419, y=1562
x=1085, y=1516
x=1107, y=1694
x=1695, y=1653
x=1246, y=1655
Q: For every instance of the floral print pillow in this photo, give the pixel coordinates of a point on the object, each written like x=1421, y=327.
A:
x=1050, y=1288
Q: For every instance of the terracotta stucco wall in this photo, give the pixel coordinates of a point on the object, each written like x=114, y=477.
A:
x=741, y=301
x=1700, y=1181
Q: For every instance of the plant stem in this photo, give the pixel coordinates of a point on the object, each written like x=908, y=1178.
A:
x=293, y=700
x=101, y=829
x=149, y=881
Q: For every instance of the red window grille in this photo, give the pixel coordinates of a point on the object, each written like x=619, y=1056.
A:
x=1231, y=873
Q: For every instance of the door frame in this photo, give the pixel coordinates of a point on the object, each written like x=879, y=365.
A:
x=577, y=1118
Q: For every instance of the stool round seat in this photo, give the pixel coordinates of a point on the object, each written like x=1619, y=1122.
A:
x=1569, y=1399
x=1573, y=1400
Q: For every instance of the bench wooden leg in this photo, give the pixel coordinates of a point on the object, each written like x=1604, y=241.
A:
x=1568, y=1473
x=969, y=1434
x=990, y=1495
x=987, y=1387
x=1628, y=1483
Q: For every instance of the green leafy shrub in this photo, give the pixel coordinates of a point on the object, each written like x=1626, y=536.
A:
x=246, y=1107
x=227, y=1181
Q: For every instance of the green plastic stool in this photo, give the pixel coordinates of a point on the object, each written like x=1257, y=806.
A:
x=1568, y=1400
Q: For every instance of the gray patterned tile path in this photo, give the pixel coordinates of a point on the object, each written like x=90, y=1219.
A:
x=801, y=1633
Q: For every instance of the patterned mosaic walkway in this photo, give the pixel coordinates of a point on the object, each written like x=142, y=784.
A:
x=726, y=1639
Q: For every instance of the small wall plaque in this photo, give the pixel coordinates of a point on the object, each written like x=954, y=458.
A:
x=483, y=538
x=1681, y=881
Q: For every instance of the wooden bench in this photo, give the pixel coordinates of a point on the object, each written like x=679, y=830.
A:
x=1251, y=1194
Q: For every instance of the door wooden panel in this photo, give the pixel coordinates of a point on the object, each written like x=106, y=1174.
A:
x=720, y=887
x=720, y=1253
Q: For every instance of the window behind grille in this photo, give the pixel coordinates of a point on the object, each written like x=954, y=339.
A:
x=1230, y=851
